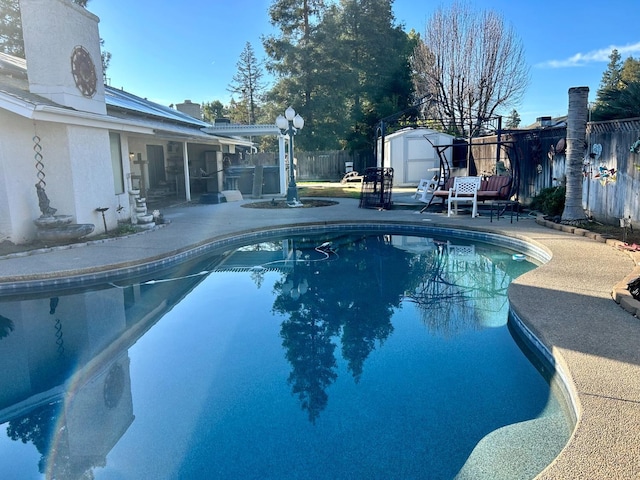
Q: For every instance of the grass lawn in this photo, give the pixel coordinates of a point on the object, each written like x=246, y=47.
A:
x=325, y=189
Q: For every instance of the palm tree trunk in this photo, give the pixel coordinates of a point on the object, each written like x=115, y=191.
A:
x=576, y=135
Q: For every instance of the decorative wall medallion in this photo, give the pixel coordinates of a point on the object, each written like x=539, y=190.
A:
x=113, y=387
x=84, y=71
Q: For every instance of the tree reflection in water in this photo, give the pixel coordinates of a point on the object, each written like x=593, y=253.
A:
x=460, y=288
x=349, y=292
x=6, y=327
x=43, y=428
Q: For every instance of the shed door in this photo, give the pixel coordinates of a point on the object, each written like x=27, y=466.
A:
x=420, y=160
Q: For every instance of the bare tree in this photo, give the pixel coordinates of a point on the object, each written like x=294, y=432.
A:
x=576, y=135
x=470, y=66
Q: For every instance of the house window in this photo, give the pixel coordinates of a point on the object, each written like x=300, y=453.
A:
x=116, y=162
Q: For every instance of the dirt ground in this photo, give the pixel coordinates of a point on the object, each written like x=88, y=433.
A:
x=630, y=236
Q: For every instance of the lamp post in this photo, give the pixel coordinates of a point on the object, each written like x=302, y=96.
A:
x=289, y=125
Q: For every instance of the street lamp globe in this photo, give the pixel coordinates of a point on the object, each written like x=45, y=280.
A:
x=281, y=122
x=290, y=113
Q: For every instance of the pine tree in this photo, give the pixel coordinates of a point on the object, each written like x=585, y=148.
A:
x=213, y=110
x=513, y=119
x=11, y=41
x=630, y=72
x=247, y=82
x=342, y=67
x=619, y=93
x=609, y=90
x=376, y=62
x=294, y=58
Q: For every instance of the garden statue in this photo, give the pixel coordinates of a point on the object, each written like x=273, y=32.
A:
x=57, y=228
x=43, y=202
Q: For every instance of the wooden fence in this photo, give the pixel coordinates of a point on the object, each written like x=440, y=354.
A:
x=611, y=173
x=327, y=166
x=611, y=188
x=538, y=164
x=612, y=176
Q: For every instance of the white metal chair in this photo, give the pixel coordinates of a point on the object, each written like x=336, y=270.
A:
x=464, y=190
x=425, y=189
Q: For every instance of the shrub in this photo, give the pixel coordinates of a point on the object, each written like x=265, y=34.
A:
x=125, y=229
x=550, y=201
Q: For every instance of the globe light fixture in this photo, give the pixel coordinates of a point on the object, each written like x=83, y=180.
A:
x=289, y=124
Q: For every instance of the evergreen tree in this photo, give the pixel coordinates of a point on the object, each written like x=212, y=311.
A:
x=376, y=62
x=612, y=76
x=628, y=103
x=292, y=56
x=11, y=28
x=105, y=58
x=343, y=67
x=213, y=110
x=609, y=90
x=238, y=111
x=619, y=92
x=247, y=82
x=630, y=72
x=513, y=119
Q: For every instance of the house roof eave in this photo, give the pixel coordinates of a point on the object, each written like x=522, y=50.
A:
x=16, y=105
x=232, y=130
x=51, y=114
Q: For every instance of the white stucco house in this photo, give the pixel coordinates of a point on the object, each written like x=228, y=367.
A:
x=413, y=154
x=89, y=144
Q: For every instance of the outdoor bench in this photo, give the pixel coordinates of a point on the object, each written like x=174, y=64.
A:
x=495, y=187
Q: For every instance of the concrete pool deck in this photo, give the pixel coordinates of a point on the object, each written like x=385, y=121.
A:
x=566, y=303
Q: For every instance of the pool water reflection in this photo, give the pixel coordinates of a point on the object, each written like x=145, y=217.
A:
x=342, y=356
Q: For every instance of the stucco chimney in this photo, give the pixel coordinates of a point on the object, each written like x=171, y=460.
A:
x=62, y=49
x=190, y=108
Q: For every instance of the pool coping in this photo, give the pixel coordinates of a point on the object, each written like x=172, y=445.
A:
x=602, y=375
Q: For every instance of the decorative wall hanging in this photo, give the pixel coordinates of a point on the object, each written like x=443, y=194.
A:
x=606, y=175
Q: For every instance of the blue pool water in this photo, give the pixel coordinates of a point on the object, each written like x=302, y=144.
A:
x=341, y=356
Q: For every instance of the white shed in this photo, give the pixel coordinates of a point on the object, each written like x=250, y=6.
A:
x=411, y=154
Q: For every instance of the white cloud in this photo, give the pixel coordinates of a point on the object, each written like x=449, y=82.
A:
x=601, y=55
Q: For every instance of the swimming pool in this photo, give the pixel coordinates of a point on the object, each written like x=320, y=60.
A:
x=338, y=355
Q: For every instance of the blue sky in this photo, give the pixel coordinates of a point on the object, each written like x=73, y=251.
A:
x=172, y=51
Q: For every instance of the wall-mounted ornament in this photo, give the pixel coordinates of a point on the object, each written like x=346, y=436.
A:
x=84, y=71
x=606, y=175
